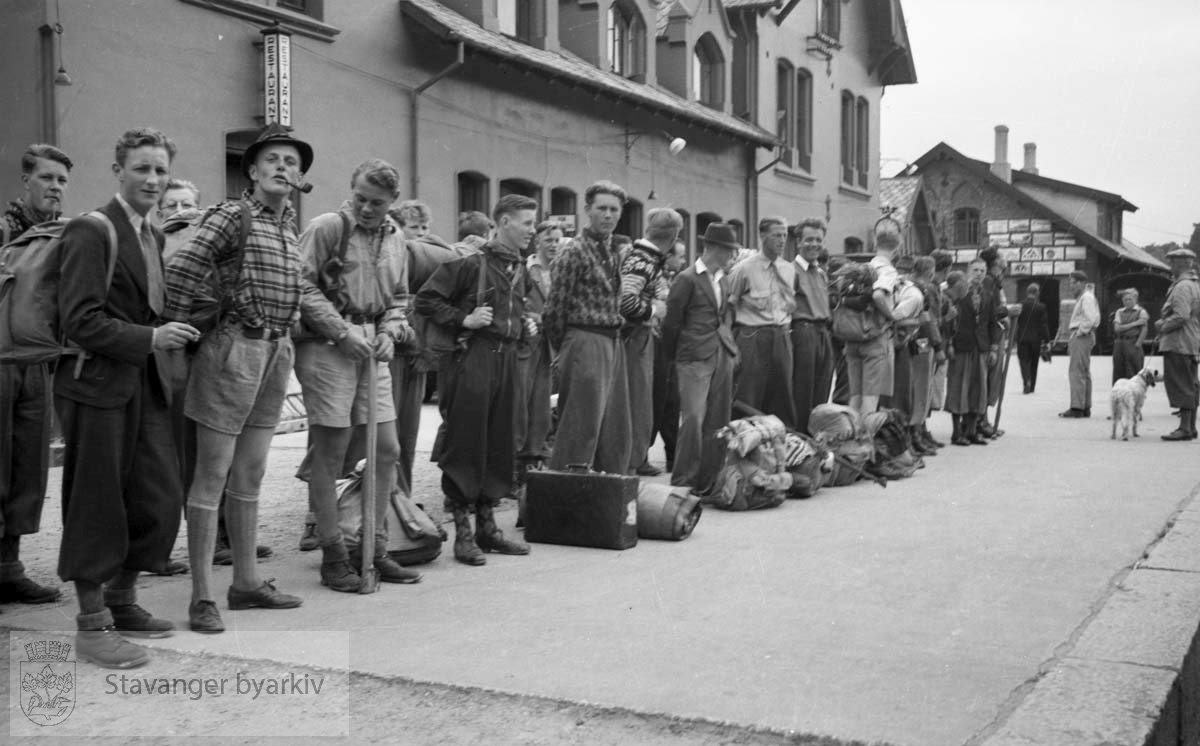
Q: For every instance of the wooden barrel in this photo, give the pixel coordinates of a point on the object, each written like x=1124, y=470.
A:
x=665, y=512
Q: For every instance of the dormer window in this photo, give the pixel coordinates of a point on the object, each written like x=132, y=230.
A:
x=517, y=18
x=626, y=40
x=708, y=73
x=829, y=18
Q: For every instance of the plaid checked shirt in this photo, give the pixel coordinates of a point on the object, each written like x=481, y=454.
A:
x=270, y=292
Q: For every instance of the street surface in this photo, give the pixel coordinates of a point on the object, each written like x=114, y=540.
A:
x=920, y=614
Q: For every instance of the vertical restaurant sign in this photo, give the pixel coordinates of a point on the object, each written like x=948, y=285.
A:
x=277, y=76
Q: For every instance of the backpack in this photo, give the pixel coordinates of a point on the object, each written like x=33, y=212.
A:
x=30, y=268
x=437, y=341
x=853, y=312
x=413, y=537
x=209, y=303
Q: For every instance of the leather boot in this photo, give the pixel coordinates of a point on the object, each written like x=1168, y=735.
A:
x=971, y=430
x=490, y=538
x=928, y=436
x=1192, y=422
x=465, y=549
x=1187, y=424
x=957, y=437
x=390, y=571
x=919, y=446
x=336, y=571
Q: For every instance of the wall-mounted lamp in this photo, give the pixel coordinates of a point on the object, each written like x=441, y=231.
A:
x=61, y=78
x=675, y=145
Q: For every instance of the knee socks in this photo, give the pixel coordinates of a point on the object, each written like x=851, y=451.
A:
x=202, y=540
x=241, y=516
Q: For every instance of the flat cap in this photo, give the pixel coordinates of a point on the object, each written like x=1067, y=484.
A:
x=1181, y=254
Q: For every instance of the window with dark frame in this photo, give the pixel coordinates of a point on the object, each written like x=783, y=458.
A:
x=473, y=194
x=785, y=113
x=862, y=141
x=709, y=73
x=626, y=40
x=804, y=114
x=518, y=18
x=312, y=8
x=848, y=133
x=966, y=226
x=830, y=23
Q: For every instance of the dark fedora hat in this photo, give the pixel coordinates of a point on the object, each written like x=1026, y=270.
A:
x=276, y=134
x=721, y=234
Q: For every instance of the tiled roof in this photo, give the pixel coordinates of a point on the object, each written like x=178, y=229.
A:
x=555, y=64
x=1122, y=250
x=900, y=192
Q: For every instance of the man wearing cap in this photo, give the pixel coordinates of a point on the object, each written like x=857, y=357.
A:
x=762, y=296
x=1179, y=341
x=122, y=495
x=25, y=391
x=1085, y=317
x=813, y=358
x=239, y=375
x=697, y=336
x=643, y=309
x=357, y=258
x=582, y=320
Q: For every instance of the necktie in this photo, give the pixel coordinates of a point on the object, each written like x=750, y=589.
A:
x=154, y=275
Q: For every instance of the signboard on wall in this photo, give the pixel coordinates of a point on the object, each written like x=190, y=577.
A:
x=567, y=222
x=277, y=76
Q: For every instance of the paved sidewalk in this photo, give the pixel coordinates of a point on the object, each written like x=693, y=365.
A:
x=985, y=598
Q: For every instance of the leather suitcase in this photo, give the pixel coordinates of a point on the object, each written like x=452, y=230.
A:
x=581, y=508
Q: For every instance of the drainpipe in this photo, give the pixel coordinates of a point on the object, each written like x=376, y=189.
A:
x=415, y=120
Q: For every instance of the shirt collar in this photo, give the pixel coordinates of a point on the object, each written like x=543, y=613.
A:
x=135, y=219
x=802, y=262
x=702, y=269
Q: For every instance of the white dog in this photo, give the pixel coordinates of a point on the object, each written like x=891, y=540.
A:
x=1128, y=396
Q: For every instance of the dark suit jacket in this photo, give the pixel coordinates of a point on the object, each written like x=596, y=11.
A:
x=116, y=325
x=1031, y=324
x=976, y=330
x=693, y=327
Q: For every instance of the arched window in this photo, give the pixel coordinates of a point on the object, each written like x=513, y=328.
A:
x=708, y=72
x=794, y=115
x=564, y=204
x=473, y=188
x=966, y=226
x=686, y=231
x=862, y=140
x=626, y=40
x=702, y=222
x=739, y=230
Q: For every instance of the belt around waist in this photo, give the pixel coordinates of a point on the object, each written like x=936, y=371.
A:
x=360, y=318
x=810, y=322
x=262, y=332
x=613, y=332
x=759, y=326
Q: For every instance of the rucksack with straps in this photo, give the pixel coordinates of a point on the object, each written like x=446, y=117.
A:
x=211, y=302
x=30, y=268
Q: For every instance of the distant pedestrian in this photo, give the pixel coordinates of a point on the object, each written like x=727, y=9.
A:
x=1085, y=317
x=974, y=347
x=1130, y=323
x=1179, y=341
x=1033, y=335
x=697, y=336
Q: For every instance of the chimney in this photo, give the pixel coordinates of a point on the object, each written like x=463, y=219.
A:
x=1000, y=166
x=1030, y=166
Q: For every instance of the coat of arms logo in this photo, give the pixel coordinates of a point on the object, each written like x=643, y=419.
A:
x=47, y=682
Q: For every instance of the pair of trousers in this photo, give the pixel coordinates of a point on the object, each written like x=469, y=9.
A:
x=812, y=368
x=531, y=420
x=666, y=403
x=593, y=403
x=408, y=392
x=477, y=393
x=1127, y=358
x=639, y=364
x=705, y=401
x=764, y=379
x=921, y=365
x=25, y=420
x=122, y=493
x=1179, y=377
x=1029, y=355
x=1079, y=373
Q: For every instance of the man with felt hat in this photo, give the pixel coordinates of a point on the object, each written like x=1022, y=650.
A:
x=698, y=338
x=239, y=375
x=1178, y=330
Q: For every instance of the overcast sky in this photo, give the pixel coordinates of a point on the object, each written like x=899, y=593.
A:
x=1108, y=89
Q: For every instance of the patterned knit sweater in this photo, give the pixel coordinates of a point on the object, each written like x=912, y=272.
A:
x=585, y=287
x=641, y=275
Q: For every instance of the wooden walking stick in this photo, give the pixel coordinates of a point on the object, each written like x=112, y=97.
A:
x=1012, y=342
x=369, y=573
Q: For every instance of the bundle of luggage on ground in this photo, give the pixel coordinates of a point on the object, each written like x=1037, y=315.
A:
x=875, y=446
x=765, y=463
